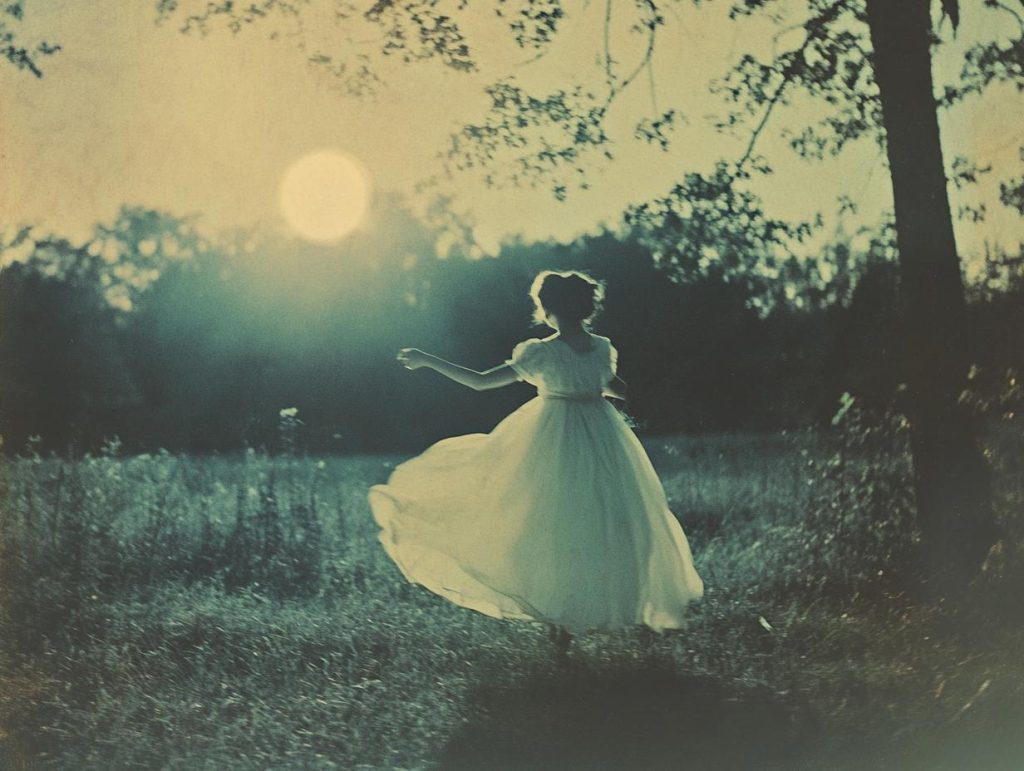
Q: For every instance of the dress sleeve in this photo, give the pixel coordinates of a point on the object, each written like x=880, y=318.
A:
x=613, y=357
x=526, y=359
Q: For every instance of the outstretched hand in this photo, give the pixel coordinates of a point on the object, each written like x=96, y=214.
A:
x=412, y=358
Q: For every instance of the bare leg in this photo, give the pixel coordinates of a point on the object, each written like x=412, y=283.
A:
x=648, y=640
x=562, y=639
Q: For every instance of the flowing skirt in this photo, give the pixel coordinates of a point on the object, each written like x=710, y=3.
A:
x=556, y=515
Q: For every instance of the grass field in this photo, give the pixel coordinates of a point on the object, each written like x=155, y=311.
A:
x=192, y=613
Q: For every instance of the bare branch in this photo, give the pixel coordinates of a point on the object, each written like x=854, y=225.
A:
x=787, y=65
x=1003, y=7
x=756, y=133
x=609, y=75
x=652, y=32
x=650, y=81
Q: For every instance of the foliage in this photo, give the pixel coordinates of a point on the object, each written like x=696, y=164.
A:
x=11, y=46
x=138, y=247
x=64, y=374
x=861, y=503
x=550, y=138
x=707, y=225
x=991, y=62
x=831, y=63
x=1011, y=191
x=997, y=397
x=999, y=62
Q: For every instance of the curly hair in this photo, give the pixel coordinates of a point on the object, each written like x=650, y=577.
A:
x=570, y=295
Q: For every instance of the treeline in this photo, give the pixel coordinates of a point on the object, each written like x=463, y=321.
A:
x=149, y=337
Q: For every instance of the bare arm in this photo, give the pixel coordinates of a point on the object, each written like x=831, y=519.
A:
x=616, y=388
x=496, y=377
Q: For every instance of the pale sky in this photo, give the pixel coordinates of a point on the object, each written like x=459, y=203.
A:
x=131, y=112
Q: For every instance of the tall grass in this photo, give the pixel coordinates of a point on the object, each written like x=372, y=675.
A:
x=236, y=612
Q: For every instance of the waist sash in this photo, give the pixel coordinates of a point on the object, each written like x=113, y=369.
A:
x=591, y=397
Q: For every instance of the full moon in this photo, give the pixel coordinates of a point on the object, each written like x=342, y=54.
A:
x=325, y=195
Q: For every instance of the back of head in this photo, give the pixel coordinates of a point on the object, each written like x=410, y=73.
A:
x=568, y=295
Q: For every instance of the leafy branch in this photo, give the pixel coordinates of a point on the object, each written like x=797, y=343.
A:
x=11, y=48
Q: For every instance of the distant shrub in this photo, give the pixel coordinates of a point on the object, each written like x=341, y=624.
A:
x=74, y=532
x=998, y=399
x=857, y=526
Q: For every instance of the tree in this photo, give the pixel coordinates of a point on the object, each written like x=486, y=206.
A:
x=869, y=60
x=951, y=476
x=63, y=377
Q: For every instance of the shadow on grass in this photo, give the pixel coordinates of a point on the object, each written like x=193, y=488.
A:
x=651, y=718
x=641, y=719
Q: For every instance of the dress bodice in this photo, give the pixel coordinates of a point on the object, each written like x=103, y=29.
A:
x=559, y=370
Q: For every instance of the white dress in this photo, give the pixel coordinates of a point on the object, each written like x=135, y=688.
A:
x=556, y=515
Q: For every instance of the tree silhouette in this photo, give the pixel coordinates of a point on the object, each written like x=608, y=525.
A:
x=950, y=474
x=63, y=376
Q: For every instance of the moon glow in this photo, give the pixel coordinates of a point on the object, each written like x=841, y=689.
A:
x=325, y=195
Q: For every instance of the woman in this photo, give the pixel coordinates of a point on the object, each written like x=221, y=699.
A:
x=556, y=515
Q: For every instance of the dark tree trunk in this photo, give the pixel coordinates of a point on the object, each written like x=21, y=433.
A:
x=951, y=476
